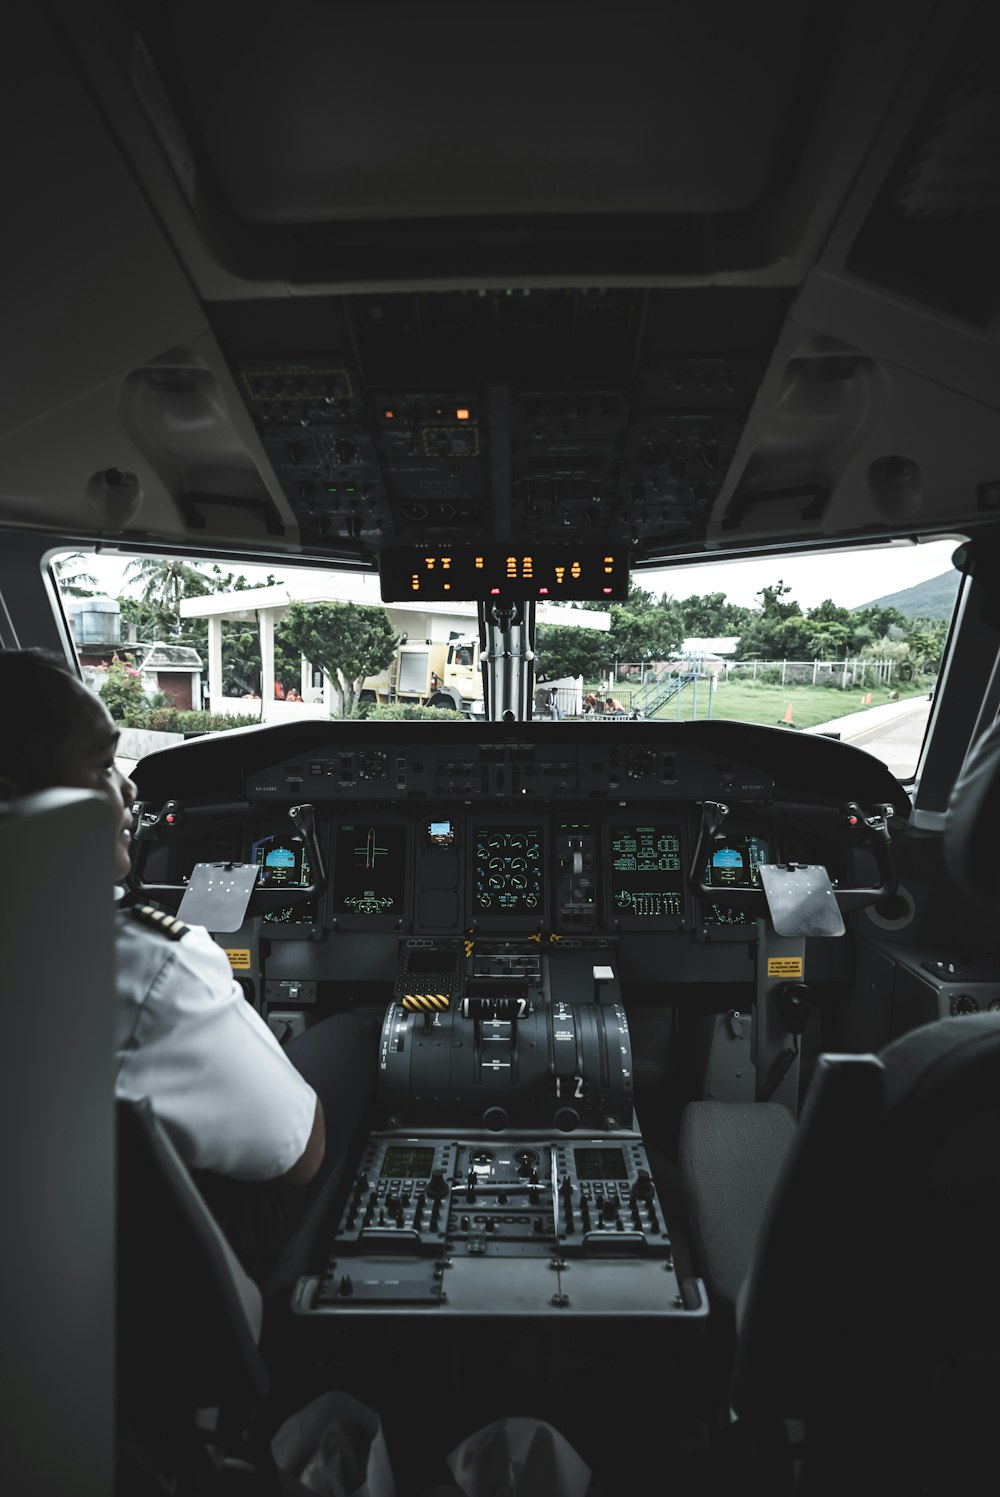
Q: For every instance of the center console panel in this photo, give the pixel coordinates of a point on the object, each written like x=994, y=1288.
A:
x=509, y=1178
x=523, y=1224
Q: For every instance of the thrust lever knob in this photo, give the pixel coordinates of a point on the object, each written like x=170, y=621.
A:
x=602, y=977
x=643, y=1187
x=437, y=1186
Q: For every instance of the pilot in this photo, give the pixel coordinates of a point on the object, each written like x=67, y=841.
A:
x=260, y=1127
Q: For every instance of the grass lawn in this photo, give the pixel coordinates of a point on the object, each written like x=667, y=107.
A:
x=749, y=702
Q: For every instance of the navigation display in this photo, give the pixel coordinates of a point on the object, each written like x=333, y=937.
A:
x=508, y=876
x=736, y=862
x=369, y=870
x=647, y=882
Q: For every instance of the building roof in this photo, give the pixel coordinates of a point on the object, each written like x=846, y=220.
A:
x=171, y=657
x=723, y=646
x=352, y=587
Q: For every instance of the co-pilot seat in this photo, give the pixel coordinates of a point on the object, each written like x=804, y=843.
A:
x=851, y=1257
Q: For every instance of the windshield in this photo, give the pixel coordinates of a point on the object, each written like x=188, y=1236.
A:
x=848, y=644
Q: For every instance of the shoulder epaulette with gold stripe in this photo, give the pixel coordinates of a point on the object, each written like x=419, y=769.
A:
x=161, y=920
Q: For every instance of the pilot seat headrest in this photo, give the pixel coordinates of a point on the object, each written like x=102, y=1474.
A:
x=973, y=822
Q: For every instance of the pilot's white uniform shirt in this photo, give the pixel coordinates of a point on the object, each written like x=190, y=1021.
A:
x=187, y=1039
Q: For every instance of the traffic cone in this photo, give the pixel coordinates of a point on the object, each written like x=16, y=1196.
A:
x=866, y=701
x=788, y=715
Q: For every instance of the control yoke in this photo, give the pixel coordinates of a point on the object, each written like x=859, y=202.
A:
x=166, y=825
x=868, y=828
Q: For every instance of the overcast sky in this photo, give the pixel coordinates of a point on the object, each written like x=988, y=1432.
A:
x=850, y=578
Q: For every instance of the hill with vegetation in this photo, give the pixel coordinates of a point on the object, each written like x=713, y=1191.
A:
x=934, y=599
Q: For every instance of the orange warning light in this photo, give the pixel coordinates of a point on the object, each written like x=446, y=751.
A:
x=389, y=415
x=479, y=563
x=462, y=414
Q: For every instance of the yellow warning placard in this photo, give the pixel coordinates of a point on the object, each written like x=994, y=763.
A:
x=237, y=956
x=785, y=966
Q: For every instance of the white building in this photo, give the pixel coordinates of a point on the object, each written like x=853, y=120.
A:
x=266, y=606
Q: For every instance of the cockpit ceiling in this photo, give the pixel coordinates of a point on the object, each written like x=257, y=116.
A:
x=686, y=279
x=351, y=112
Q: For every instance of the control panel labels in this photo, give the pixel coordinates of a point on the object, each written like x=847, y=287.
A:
x=238, y=957
x=785, y=966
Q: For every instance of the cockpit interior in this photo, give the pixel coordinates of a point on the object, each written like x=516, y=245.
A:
x=685, y=1033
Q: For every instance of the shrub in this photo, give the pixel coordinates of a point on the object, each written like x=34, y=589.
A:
x=174, y=720
x=409, y=711
x=121, y=692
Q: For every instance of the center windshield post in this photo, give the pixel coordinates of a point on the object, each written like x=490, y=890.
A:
x=506, y=646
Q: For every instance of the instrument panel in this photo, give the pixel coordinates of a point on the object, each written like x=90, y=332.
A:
x=596, y=873
x=507, y=840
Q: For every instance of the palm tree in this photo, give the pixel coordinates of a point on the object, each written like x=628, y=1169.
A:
x=72, y=579
x=166, y=580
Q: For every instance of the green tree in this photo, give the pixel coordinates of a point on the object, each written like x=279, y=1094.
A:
x=166, y=580
x=567, y=651
x=762, y=638
x=927, y=639
x=153, y=621
x=882, y=622
x=712, y=617
x=641, y=632
x=349, y=641
x=73, y=578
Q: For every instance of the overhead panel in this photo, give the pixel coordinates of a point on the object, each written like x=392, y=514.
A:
x=468, y=417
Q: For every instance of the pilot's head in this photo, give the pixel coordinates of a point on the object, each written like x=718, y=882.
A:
x=54, y=731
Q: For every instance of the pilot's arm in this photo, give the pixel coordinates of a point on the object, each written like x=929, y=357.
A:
x=217, y=1078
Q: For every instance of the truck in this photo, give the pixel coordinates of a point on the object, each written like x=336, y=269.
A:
x=434, y=674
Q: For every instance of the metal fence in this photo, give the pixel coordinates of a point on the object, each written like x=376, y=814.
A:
x=847, y=673
x=678, y=683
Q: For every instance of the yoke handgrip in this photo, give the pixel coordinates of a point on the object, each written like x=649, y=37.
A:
x=262, y=900
x=873, y=830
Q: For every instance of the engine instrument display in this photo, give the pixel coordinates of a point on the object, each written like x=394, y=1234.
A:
x=369, y=870
x=646, y=879
x=508, y=876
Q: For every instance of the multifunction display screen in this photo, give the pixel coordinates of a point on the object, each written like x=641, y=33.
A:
x=646, y=880
x=407, y=1164
x=508, y=878
x=736, y=862
x=600, y=1164
x=369, y=869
